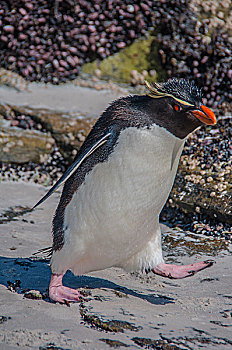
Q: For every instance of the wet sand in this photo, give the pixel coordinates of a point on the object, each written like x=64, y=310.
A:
x=191, y=313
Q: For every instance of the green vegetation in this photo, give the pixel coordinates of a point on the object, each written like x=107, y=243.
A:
x=141, y=56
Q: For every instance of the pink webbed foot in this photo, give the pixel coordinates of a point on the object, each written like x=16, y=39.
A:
x=178, y=271
x=60, y=293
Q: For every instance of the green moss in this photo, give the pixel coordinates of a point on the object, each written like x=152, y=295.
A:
x=141, y=55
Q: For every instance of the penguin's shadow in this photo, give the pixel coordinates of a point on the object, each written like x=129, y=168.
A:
x=27, y=274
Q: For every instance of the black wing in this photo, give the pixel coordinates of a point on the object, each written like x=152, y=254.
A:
x=74, y=167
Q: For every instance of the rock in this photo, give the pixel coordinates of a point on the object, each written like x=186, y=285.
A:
x=6, y=111
x=69, y=131
x=4, y=319
x=8, y=29
x=22, y=146
x=33, y=294
x=203, y=197
x=13, y=80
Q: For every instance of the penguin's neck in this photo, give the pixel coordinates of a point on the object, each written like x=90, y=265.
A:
x=154, y=145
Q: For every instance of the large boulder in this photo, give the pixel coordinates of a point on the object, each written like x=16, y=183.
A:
x=22, y=146
x=69, y=131
x=208, y=192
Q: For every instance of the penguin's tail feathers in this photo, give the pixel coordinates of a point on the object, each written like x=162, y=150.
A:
x=44, y=253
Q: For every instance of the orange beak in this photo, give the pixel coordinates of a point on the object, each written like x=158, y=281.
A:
x=208, y=117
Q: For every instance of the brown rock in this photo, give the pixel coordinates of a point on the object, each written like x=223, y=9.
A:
x=71, y=61
x=22, y=146
x=68, y=131
x=188, y=194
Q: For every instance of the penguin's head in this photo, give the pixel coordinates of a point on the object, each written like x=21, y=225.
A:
x=181, y=101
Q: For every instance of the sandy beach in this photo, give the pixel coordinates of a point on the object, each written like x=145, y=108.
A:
x=191, y=313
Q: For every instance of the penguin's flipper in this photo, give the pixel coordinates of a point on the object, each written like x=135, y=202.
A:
x=73, y=167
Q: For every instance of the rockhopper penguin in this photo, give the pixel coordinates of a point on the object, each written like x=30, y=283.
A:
x=108, y=214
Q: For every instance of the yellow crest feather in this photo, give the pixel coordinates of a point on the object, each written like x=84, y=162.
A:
x=155, y=91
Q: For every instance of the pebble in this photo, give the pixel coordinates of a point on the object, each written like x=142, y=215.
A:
x=8, y=29
x=33, y=294
x=23, y=11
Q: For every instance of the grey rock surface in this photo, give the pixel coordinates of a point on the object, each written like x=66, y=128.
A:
x=64, y=98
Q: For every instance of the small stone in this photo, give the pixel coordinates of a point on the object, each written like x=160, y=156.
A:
x=121, y=45
x=29, y=5
x=220, y=15
x=76, y=59
x=33, y=294
x=41, y=20
x=23, y=11
x=152, y=72
x=97, y=73
x=22, y=36
x=40, y=62
x=144, y=73
x=4, y=319
x=73, y=49
x=130, y=8
x=8, y=29
x=71, y=61
x=55, y=63
x=134, y=73
x=92, y=28
x=12, y=59
x=229, y=73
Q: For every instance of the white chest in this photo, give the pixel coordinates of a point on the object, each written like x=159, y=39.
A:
x=140, y=172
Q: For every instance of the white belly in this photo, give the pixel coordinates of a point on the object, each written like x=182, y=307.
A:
x=114, y=213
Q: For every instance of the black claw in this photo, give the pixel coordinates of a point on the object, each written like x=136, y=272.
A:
x=191, y=272
x=67, y=303
x=210, y=262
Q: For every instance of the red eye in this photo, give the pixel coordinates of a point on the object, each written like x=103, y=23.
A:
x=177, y=108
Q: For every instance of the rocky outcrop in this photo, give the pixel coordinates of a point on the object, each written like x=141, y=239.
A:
x=69, y=131
x=22, y=146
x=206, y=192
